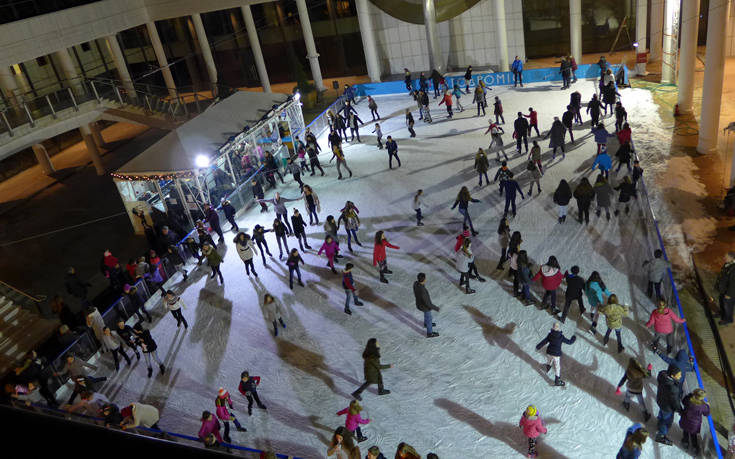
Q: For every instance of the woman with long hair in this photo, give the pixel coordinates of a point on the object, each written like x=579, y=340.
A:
x=372, y=368
x=379, y=256
x=463, y=200
x=595, y=289
x=343, y=445
x=503, y=240
x=562, y=196
x=551, y=277
x=464, y=258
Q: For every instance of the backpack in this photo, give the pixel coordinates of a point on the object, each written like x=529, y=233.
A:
x=530, y=167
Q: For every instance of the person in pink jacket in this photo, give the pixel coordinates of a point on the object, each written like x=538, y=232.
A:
x=662, y=319
x=221, y=403
x=330, y=249
x=210, y=429
x=532, y=426
x=551, y=278
x=353, y=421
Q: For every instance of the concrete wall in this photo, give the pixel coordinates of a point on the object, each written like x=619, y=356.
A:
x=730, y=43
x=468, y=39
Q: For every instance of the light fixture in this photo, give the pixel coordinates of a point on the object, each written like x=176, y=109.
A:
x=297, y=96
x=201, y=161
x=635, y=44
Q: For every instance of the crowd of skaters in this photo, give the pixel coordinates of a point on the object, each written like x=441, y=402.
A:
x=344, y=441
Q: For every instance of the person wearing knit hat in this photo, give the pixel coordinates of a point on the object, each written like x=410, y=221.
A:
x=533, y=427
x=695, y=406
x=555, y=339
x=374, y=453
x=221, y=403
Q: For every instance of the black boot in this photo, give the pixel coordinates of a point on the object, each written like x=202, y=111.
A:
x=383, y=279
x=348, y=312
x=559, y=382
x=162, y=368
x=283, y=324
x=275, y=329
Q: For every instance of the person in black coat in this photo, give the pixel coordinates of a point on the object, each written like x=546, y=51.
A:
x=468, y=78
x=340, y=126
x=424, y=304
x=258, y=193
x=211, y=216
x=562, y=196
x=575, y=101
x=575, y=291
x=230, y=212
x=259, y=238
x=392, y=148
x=279, y=229
x=623, y=155
x=627, y=191
x=294, y=258
x=567, y=119
x=593, y=109
x=511, y=186
x=520, y=125
x=554, y=340
x=313, y=160
x=125, y=332
x=668, y=398
x=174, y=256
x=299, y=229
x=75, y=286
x=148, y=345
x=354, y=122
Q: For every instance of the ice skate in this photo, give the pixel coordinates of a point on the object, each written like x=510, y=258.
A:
x=559, y=382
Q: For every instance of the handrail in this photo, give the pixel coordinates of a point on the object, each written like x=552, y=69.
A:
x=87, y=419
x=35, y=300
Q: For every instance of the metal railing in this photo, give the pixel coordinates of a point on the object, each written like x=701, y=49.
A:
x=682, y=338
x=22, y=299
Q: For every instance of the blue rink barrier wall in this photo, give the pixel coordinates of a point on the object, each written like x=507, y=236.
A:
x=551, y=74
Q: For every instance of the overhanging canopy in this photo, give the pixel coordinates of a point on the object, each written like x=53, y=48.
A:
x=176, y=152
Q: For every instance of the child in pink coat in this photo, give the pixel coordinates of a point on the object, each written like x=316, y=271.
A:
x=551, y=278
x=221, y=403
x=661, y=319
x=532, y=426
x=330, y=249
x=353, y=421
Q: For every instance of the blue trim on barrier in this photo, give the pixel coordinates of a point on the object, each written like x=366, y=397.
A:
x=712, y=429
x=548, y=74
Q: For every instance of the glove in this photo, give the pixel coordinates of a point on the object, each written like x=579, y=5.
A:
x=650, y=367
x=617, y=391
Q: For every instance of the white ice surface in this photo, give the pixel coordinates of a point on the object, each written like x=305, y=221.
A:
x=459, y=395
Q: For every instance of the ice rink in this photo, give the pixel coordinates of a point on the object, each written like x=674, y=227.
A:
x=459, y=395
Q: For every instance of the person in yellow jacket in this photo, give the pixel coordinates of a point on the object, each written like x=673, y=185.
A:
x=614, y=314
x=339, y=154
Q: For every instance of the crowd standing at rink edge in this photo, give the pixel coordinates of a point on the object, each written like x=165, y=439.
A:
x=580, y=287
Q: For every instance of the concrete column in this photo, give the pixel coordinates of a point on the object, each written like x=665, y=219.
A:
x=501, y=36
x=311, y=53
x=97, y=134
x=432, y=36
x=657, y=29
x=119, y=59
x=575, y=26
x=161, y=57
x=43, y=159
x=247, y=15
x=714, y=73
x=688, y=58
x=92, y=150
x=641, y=23
x=368, y=40
x=9, y=85
x=206, y=50
x=671, y=41
x=67, y=65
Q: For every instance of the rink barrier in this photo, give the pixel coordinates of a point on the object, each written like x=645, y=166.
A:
x=673, y=298
x=549, y=74
x=148, y=431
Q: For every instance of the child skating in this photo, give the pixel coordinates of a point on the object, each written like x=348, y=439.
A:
x=418, y=202
x=221, y=403
x=379, y=135
x=354, y=420
x=272, y=312
x=553, y=342
x=379, y=256
x=533, y=427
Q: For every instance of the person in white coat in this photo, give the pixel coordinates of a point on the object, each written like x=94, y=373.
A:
x=418, y=203
x=96, y=323
x=175, y=304
x=113, y=343
x=139, y=414
x=464, y=258
x=272, y=312
x=246, y=249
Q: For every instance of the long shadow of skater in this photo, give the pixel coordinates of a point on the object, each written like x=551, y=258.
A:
x=307, y=424
x=212, y=329
x=368, y=294
x=508, y=433
x=501, y=337
x=311, y=363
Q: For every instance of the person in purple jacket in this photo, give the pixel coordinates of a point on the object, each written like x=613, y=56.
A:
x=635, y=437
x=330, y=250
x=690, y=422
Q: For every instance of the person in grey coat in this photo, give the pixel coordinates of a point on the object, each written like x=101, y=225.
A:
x=557, y=134
x=604, y=193
x=424, y=304
x=279, y=204
x=656, y=269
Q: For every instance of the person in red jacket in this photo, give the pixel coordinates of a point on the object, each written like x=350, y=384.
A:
x=447, y=100
x=551, y=278
x=533, y=427
x=379, y=257
x=532, y=121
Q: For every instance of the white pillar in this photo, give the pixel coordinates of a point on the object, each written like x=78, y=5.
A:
x=67, y=65
x=311, y=53
x=9, y=85
x=501, y=36
x=97, y=134
x=92, y=150
x=575, y=26
x=432, y=36
x=206, y=50
x=641, y=23
x=714, y=73
x=671, y=42
x=368, y=40
x=119, y=60
x=688, y=58
x=657, y=29
x=43, y=159
x=161, y=57
x=247, y=15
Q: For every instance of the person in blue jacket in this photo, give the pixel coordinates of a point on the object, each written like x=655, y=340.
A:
x=554, y=339
x=604, y=162
x=683, y=360
x=511, y=186
x=635, y=437
x=517, y=69
x=601, y=136
x=457, y=92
